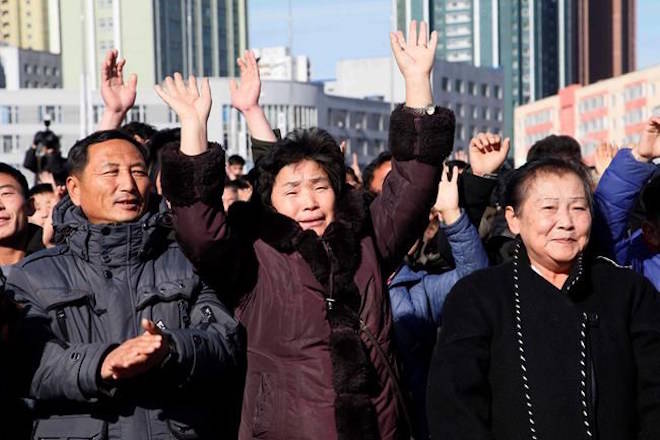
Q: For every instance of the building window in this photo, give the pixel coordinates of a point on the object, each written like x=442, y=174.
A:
x=7, y=144
x=445, y=84
x=458, y=86
x=472, y=88
x=485, y=90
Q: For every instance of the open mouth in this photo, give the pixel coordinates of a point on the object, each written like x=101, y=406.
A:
x=312, y=223
x=129, y=204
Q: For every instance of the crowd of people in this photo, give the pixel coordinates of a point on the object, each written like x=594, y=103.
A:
x=154, y=290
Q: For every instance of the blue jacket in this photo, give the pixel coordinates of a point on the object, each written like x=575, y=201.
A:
x=615, y=198
x=417, y=299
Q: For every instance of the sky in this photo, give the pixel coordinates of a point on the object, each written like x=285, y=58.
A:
x=330, y=30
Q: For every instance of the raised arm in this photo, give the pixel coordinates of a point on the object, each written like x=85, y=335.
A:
x=118, y=97
x=245, y=98
x=421, y=137
x=619, y=188
x=488, y=152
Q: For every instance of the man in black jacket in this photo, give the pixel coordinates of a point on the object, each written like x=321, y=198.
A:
x=122, y=339
x=18, y=238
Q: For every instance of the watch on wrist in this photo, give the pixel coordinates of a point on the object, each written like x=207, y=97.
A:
x=421, y=111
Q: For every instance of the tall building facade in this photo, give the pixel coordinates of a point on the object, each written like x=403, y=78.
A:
x=25, y=24
x=613, y=110
x=467, y=30
x=158, y=37
x=542, y=45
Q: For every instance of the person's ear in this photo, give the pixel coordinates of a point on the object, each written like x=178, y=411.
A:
x=29, y=207
x=73, y=188
x=512, y=220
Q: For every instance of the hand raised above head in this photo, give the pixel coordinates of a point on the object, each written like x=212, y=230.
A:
x=488, y=152
x=446, y=202
x=415, y=55
x=118, y=96
x=189, y=102
x=192, y=105
x=245, y=95
x=649, y=143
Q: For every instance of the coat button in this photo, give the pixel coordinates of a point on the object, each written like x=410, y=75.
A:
x=197, y=340
x=107, y=274
x=75, y=356
x=106, y=259
x=105, y=230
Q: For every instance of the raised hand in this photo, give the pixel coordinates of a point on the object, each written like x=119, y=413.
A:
x=487, y=153
x=649, y=143
x=137, y=355
x=415, y=58
x=245, y=98
x=192, y=106
x=118, y=97
x=446, y=203
x=245, y=95
x=604, y=154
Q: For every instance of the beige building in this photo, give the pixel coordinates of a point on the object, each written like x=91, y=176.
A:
x=157, y=37
x=614, y=110
x=25, y=24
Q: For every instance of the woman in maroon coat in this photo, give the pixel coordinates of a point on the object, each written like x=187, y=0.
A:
x=306, y=262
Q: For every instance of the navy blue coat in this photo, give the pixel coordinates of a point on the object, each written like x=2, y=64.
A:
x=417, y=300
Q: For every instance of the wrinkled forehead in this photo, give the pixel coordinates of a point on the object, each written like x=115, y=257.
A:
x=115, y=151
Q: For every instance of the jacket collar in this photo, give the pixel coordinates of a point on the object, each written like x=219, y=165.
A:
x=112, y=244
x=285, y=234
x=574, y=286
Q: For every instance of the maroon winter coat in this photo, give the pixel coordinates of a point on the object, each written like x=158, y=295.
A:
x=278, y=275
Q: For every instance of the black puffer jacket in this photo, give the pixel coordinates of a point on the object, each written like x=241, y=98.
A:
x=86, y=296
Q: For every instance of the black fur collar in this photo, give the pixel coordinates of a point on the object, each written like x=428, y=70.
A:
x=334, y=259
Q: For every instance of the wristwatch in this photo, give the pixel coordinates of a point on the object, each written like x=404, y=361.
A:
x=421, y=111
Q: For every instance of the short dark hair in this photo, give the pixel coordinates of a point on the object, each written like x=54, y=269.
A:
x=46, y=138
x=370, y=169
x=5, y=168
x=520, y=180
x=135, y=128
x=650, y=199
x=232, y=185
x=41, y=188
x=561, y=147
x=313, y=144
x=242, y=183
x=155, y=146
x=77, y=159
x=235, y=159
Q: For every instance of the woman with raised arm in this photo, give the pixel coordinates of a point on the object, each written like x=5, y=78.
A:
x=305, y=262
x=558, y=343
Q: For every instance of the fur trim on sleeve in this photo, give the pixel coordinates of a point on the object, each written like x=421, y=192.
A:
x=188, y=179
x=428, y=138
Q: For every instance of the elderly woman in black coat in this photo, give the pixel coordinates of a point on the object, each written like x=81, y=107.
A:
x=558, y=343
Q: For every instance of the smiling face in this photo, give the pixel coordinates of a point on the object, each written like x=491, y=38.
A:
x=13, y=209
x=114, y=185
x=554, y=220
x=302, y=191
